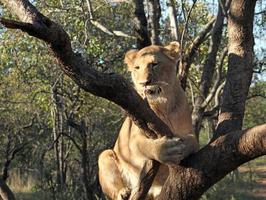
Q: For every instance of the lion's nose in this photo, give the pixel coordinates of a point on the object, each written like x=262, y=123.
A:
x=145, y=82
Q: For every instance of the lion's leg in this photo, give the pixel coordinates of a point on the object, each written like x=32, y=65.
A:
x=110, y=177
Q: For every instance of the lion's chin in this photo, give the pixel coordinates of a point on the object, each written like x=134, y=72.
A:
x=154, y=94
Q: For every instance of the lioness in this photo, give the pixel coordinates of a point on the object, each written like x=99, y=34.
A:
x=153, y=71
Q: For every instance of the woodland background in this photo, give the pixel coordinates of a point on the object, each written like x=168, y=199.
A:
x=51, y=131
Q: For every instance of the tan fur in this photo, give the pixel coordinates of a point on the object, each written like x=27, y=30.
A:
x=119, y=169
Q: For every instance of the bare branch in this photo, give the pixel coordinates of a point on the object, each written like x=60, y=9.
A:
x=73, y=141
x=185, y=63
x=90, y=9
x=103, y=28
x=217, y=94
x=256, y=95
x=216, y=85
x=224, y=5
x=186, y=24
x=192, y=93
x=203, y=99
x=261, y=12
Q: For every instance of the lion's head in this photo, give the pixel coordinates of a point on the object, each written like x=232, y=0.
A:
x=153, y=70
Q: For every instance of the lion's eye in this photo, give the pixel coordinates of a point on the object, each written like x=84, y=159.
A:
x=136, y=67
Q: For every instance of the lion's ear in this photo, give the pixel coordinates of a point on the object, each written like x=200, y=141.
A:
x=173, y=50
x=129, y=58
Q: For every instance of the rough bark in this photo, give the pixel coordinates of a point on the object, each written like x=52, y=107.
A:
x=197, y=172
x=240, y=66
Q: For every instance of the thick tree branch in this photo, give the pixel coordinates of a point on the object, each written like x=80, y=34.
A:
x=240, y=66
x=200, y=171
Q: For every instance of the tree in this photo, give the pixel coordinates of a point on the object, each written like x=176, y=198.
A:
x=230, y=146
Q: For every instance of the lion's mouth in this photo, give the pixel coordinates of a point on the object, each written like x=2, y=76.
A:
x=152, y=92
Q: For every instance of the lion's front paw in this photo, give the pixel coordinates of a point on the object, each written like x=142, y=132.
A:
x=170, y=151
x=124, y=194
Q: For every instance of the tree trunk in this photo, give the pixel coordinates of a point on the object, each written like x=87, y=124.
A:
x=240, y=66
x=85, y=162
x=58, y=129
